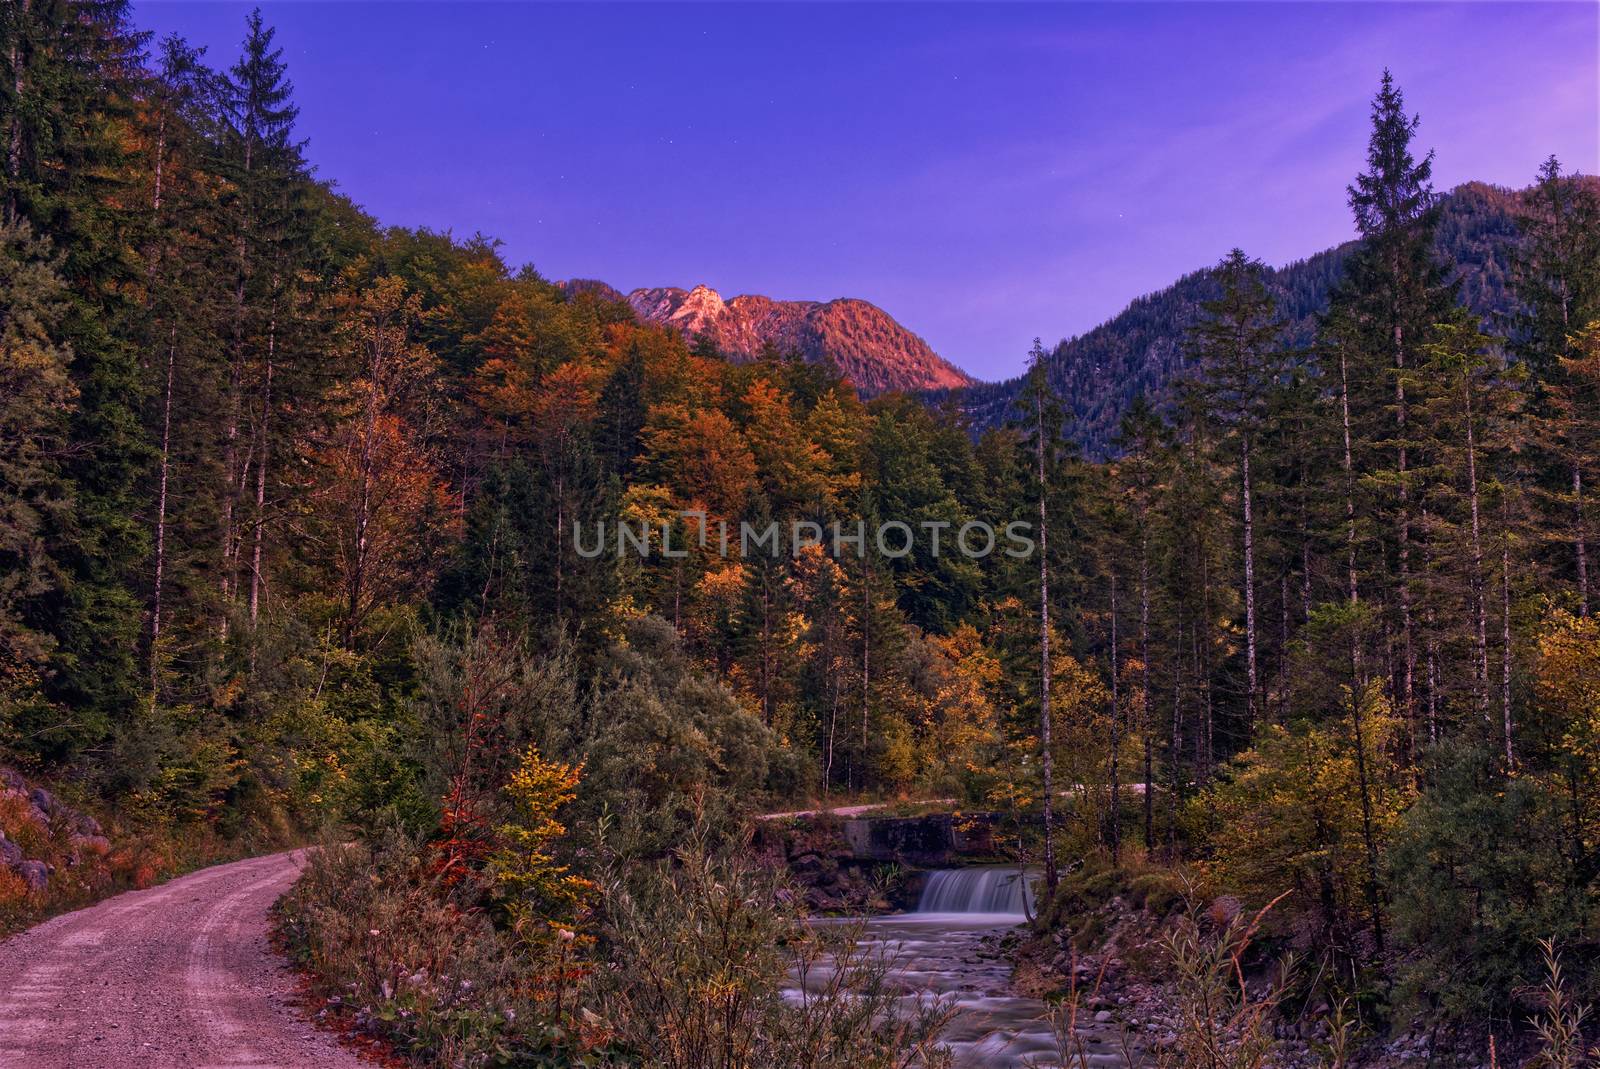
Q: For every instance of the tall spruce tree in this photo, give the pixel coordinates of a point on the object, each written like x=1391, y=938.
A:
x=263, y=165
x=1393, y=293
x=1240, y=364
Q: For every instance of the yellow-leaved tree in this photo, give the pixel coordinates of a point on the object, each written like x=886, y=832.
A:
x=541, y=895
x=1081, y=711
x=1287, y=814
x=1569, y=708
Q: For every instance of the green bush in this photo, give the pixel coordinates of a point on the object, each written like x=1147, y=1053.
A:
x=1159, y=892
x=1479, y=878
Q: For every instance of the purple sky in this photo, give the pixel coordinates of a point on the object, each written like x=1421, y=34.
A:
x=986, y=173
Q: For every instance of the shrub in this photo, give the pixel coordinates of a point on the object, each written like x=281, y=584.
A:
x=393, y=944
x=14, y=904
x=698, y=952
x=1158, y=892
x=688, y=969
x=1221, y=1024
x=1479, y=878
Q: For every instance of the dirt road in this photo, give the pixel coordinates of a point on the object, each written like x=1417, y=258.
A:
x=849, y=811
x=179, y=975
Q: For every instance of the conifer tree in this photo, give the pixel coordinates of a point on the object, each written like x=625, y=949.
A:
x=263, y=165
x=1240, y=365
x=1394, y=291
x=186, y=291
x=1045, y=432
x=1558, y=280
x=36, y=401
x=1142, y=438
x=70, y=70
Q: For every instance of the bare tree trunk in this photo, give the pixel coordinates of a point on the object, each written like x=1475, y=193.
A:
x=1253, y=679
x=1116, y=733
x=1146, y=711
x=560, y=481
x=1358, y=687
x=161, y=519
x=1433, y=680
x=161, y=160
x=1480, y=610
x=1202, y=667
x=1407, y=695
x=1206, y=755
x=363, y=512
x=1046, y=758
x=1283, y=648
x=1175, y=753
x=18, y=87
x=1580, y=539
x=165, y=467
x=829, y=638
x=1369, y=837
x=233, y=476
x=766, y=646
x=259, y=535
x=866, y=659
x=1305, y=570
x=1580, y=528
x=1352, y=588
x=1505, y=637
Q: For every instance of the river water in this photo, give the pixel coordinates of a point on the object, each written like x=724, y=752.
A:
x=949, y=948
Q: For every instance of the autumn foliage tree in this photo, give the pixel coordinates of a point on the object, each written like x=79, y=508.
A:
x=381, y=506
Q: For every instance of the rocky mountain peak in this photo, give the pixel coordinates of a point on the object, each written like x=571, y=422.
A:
x=876, y=353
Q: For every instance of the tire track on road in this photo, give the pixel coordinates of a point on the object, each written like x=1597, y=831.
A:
x=180, y=975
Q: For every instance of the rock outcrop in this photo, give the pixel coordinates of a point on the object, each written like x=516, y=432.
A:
x=38, y=831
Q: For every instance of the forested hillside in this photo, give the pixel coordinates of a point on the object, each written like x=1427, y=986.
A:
x=1142, y=350
x=296, y=525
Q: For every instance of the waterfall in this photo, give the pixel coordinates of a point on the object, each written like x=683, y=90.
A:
x=1003, y=891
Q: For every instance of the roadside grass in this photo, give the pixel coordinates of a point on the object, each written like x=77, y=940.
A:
x=680, y=963
x=129, y=855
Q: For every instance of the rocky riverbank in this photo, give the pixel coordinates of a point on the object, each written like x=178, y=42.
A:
x=1106, y=944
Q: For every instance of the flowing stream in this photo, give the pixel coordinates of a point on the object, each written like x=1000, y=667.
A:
x=949, y=949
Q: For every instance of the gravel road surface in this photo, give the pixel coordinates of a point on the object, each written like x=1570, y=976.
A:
x=179, y=975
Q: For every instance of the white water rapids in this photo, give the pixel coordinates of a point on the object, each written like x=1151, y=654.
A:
x=999, y=892
x=949, y=949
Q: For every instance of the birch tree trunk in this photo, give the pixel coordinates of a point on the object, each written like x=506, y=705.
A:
x=1252, y=677
x=1146, y=712
x=161, y=518
x=259, y=534
x=1480, y=610
x=1580, y=538
x=1116, y=733
x=1046, y=758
